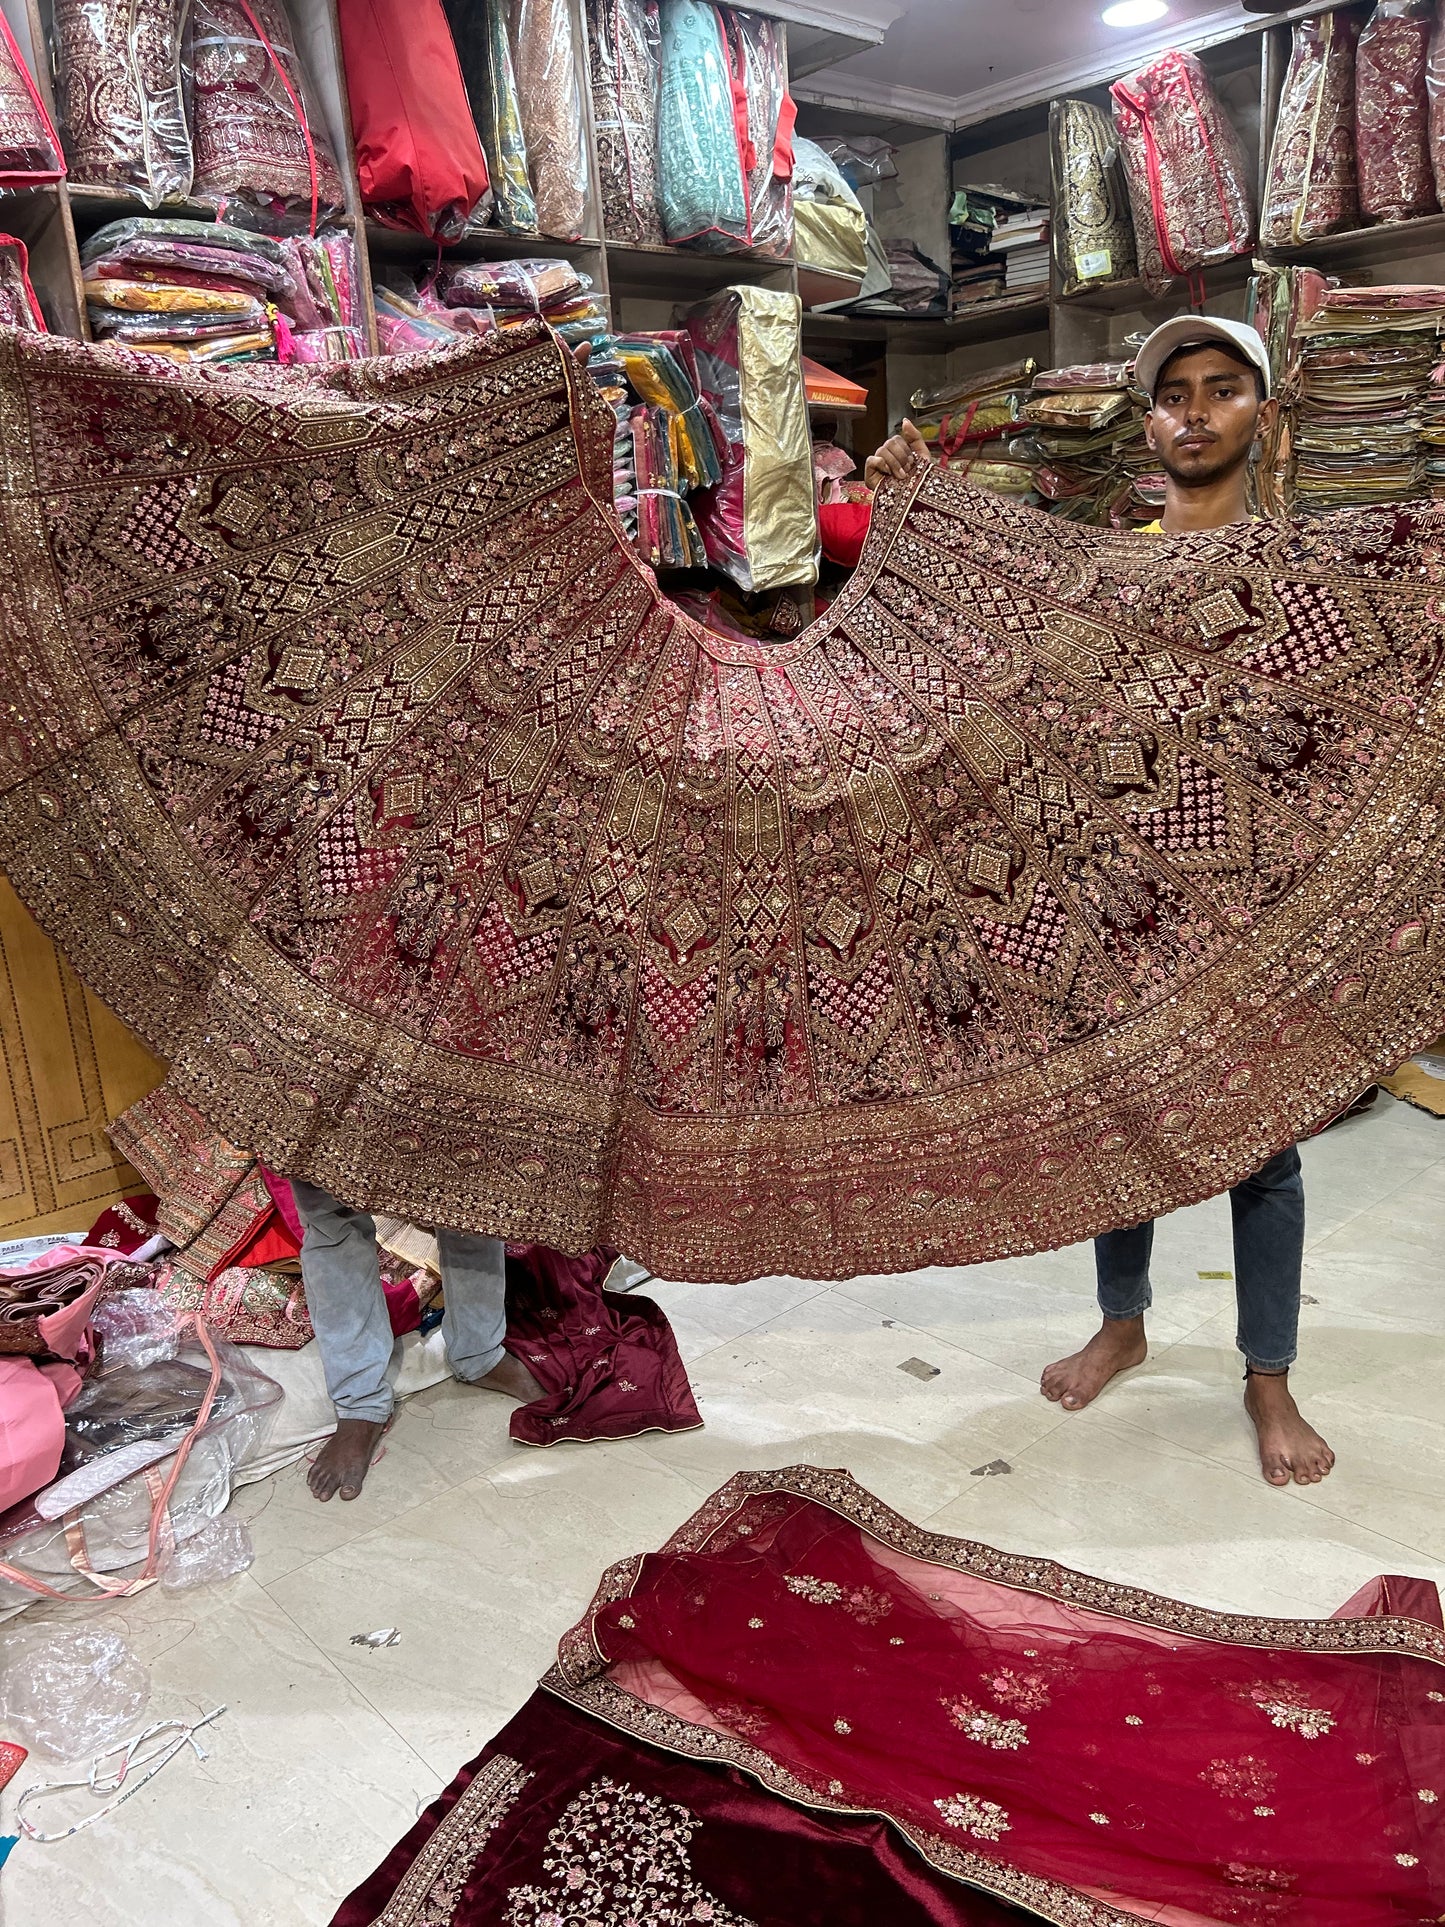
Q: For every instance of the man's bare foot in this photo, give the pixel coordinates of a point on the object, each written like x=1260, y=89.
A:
x=344, y=1461
x=1289, y=1448
x=511, y=1378
x=1077, y=1381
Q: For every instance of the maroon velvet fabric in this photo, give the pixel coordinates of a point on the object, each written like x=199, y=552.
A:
x=735, y=1853
x=607, y=1363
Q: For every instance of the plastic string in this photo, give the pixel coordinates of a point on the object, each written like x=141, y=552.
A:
x=113, y=1786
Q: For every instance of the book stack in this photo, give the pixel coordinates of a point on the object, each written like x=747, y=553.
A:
x=1022, y=239
x=977, y=274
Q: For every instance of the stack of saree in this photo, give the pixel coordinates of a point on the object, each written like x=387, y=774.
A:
x=806, y=1709
x=1052, y=880
x=1312, y=188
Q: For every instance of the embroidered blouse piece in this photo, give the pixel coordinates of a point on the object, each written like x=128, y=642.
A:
x=1188, y=177
x=1054, y=879
x=1312, y=188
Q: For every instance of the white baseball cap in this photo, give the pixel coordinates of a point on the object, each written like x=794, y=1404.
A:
x=1197, y=331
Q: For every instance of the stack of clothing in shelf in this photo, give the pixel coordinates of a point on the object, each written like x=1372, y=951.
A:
x=1023, y=241
x=516, y=291
x=668, y=441
x=413, y=319
x=1092, y=463
x=972, y=426
x=1369, y=407
x=200, y=291
x=978, y=274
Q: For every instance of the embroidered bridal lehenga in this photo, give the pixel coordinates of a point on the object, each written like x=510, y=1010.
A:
x=1053, y=879
x=806, y=1710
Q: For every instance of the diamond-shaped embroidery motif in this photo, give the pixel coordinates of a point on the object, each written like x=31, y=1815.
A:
x=988, y=868
x=1121, y=763
x=538, y=881
x=401, y=795
x=684, y=927
x=238, y=510
x=299, y=668
x=839, y=925
x=1219, y=613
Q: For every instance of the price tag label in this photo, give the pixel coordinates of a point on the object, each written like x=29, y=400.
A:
x=1094, y=265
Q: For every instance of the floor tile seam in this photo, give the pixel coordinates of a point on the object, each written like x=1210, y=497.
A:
x=1361, y=1210
x=334, y=1666
x=1298, y=1495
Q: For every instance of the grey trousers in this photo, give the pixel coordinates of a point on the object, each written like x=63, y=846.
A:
x=342, y=1275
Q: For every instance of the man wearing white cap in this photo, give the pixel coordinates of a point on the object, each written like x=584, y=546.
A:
x=1209, y=384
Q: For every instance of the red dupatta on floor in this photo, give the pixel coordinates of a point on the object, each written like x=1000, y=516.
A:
x=928, y=1716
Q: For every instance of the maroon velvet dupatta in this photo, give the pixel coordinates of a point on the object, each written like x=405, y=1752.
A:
x=1089, y=1753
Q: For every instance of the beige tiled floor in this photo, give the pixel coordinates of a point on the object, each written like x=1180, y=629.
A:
x=482, y=1552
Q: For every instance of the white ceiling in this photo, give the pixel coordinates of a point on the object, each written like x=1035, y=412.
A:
x=957, y=54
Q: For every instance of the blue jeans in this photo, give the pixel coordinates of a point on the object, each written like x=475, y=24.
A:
x=1269, y=1243
x=342, y=1276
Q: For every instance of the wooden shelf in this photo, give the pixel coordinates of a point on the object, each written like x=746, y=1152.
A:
x=402, y=245
x=662, y=273
x=1010, y=314
x=1366, y=246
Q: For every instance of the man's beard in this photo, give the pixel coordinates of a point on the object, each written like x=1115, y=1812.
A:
x=1210, y=470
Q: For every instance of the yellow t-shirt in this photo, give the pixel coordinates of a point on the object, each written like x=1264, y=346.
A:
x=1157, y=528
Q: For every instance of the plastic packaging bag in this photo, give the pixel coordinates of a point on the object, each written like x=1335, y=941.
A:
x=418, y=155
x=94, y=1534
x=218, y=1551
x=625, y=43
x=544, y=54
x=1312, y=189
x=830, y=227
x=121, y=96
x=1435, y=91
x=515, y=287
x=1188, y=180
x=1392, y=111
x=484, y=48
x=70, y=1691
x=1093, y=230
x=29, y=146
x=758, y=51
x=702, y=188
x=758, y=524
x=258, y=132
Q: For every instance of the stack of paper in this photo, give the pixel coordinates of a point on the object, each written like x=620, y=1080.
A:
x=1023, y=241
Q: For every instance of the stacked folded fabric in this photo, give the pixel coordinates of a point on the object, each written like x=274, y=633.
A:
x=668, y=442
x=1367, y=362
x=1087, y=438
x=972, y=425
x=515, y=291
x=203, y=291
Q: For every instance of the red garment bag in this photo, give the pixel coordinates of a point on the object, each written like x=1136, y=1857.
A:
x=417, y=153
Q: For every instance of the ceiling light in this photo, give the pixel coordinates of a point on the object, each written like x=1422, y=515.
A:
x=1134, y=13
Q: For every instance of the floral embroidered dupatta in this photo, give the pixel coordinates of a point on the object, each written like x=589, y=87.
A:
x=1088, y=1753
x=1054, y=879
